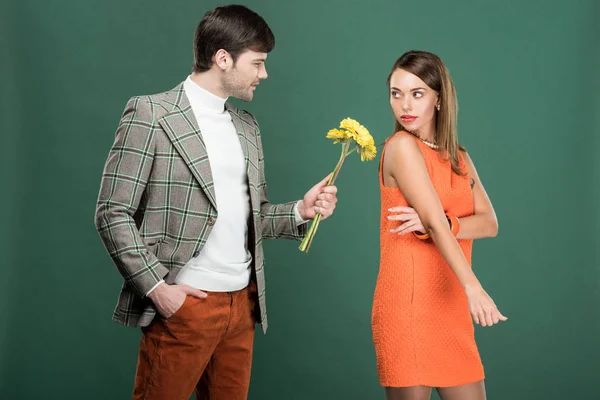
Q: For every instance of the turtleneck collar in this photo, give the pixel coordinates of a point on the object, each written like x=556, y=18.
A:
x=203, y=98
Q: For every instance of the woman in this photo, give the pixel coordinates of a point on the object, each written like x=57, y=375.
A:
x=433, y=206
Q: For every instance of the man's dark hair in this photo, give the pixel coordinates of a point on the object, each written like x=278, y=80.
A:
x=233, y=28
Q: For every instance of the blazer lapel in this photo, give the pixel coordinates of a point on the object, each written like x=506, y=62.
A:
x=247, y=136
x=243, y=136
x=181, y=126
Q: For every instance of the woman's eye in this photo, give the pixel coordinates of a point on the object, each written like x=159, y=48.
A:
x=395, y=95
x=418, y=95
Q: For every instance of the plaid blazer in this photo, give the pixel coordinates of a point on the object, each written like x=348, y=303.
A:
x=156, y=206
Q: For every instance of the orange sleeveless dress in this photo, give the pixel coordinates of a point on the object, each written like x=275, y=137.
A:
x=422, y=328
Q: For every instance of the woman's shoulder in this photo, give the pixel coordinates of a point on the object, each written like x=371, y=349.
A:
x=402, y=139
x=405, y=143
x=402, y=146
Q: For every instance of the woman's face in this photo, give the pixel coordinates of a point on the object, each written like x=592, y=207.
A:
x=413, y=103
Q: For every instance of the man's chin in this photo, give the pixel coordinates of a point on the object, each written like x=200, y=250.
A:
x=247, y=97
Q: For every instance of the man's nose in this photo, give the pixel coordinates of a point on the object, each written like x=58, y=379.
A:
x=263, y=73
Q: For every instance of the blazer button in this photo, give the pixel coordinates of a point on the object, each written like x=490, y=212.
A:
x=196, y=254
x=211, y=221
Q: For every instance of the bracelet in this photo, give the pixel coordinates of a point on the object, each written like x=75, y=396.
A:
x=452, y=221
x=421, y=236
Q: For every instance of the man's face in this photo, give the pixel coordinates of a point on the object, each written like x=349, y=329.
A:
x=241, y=79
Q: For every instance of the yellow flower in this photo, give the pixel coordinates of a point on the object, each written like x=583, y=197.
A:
x=350, y=134
x=368, y=152
x=352, y=126
x=366, y=144
x=338, y=135
x=365, y=140
x=351, y=129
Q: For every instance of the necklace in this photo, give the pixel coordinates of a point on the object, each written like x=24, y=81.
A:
x=425, y=141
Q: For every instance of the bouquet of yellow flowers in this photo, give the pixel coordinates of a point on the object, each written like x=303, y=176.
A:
x=354, y=138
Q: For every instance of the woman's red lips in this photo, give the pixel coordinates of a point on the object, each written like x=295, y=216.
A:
x=408, y=118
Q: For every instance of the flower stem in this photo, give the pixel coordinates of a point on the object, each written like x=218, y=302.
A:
x=338, y=167
x=351, y=151
x=312, y=230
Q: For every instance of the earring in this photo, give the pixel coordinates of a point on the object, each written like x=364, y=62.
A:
x=438, y=107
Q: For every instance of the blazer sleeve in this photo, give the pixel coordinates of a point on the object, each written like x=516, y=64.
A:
x=124, y=180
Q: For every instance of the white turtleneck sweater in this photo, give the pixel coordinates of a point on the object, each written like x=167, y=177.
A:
x=223, y=264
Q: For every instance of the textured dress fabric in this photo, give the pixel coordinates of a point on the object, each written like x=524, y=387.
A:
x=422, y=328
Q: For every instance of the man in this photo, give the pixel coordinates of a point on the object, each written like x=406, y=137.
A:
x=183, y=210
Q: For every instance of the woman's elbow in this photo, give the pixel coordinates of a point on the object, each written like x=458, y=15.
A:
x=493, y=226
x=435, y=223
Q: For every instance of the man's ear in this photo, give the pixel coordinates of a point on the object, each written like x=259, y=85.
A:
x=222, y=59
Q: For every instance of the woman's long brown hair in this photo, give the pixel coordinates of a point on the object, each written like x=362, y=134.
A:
x=431, y=70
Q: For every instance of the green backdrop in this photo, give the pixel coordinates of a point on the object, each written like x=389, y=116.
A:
x=526, y=75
